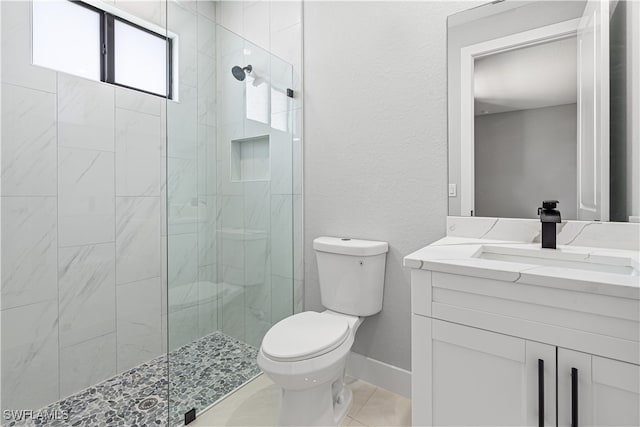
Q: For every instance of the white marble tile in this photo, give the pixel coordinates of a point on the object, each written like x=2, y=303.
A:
x=164, y=344
x=134, y=100
x=87, y=297
x=138, y=148
x=460, y=226
x=231, y=92
x=86, y=196
x=153, y=11
x=86, y=117
x=256, y=23
x=207, y=8
x=28, y=142
x=285, y=14
x=207, y=36
x=206, y=90
x=232, y=275
x=137, y=238
x=87, y=363
x=182, y=260
x=29, y=250
x=182, y=124
x=233, y=250
x=282, y=235
x=183, y=21
x=287, y=44
x=230, y=15
x=281, y=163
x=257, y=260
x=139, y=322
x=232, y=212
x=182, y=196
x=207, y=234
x=164, y=282
x=183, y=212
x=257, y=212
x=281, y=298
x=233, y=313
x=207, y=161
x=16, y=49
x=257, y=323
x=207, y=318
x=183, y=327
x=30, y=356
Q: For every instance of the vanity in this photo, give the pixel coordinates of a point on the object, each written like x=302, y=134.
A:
x=507, y=333
x=504, y=331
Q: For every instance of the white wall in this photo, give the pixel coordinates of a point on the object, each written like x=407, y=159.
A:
x=376, y=143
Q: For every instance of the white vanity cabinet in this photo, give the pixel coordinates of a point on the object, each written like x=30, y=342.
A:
x=608, y=391
x=490, y=352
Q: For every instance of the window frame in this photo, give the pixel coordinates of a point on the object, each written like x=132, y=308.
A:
x=107, y=49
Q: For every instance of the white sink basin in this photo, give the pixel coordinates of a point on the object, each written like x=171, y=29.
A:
x=561, y=257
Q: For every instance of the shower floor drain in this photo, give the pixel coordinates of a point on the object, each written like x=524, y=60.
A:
x=148, y=403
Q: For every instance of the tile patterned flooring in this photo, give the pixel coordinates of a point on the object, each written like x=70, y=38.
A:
x=200, y=373
x=257, y=403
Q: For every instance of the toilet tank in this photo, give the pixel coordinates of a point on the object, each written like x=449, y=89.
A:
x=351, y=274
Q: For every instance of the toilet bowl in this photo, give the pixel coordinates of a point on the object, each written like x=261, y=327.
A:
x=306, y=354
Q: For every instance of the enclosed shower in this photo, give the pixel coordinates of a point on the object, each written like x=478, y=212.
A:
x=147, y=229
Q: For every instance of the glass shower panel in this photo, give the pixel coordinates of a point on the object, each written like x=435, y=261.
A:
x=229, y=210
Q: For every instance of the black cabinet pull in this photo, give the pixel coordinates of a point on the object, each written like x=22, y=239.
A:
x=540, y=393
x=574, y=397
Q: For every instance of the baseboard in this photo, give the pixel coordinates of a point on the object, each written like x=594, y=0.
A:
x=380, y=374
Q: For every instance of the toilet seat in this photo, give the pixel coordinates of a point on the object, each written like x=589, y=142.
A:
x=304, y=336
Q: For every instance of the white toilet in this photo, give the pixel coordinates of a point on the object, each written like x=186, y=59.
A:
x=306, y=353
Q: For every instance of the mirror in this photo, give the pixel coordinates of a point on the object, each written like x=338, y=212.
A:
x=541, y=99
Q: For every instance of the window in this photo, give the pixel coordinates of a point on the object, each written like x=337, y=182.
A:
x=77, y=38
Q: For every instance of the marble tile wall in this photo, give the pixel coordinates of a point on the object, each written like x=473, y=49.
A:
x=267, y=261
x=191, y=310
x=81, y=223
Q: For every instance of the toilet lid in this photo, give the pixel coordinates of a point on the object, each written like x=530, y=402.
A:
x=304, y=335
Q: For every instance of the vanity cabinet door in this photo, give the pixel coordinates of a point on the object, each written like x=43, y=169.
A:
x=482, y=378
x=596, y=391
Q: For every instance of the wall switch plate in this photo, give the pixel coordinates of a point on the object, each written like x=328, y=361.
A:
x=452, y=190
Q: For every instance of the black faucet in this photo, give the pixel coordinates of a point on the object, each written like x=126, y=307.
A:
x=549, y=216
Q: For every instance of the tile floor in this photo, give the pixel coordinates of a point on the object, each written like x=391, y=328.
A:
x=256, y=404
x=199, y=373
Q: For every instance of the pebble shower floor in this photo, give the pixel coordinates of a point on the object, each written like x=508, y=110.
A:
x=198, y=374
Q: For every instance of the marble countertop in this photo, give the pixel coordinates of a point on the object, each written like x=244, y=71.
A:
x=458, y=255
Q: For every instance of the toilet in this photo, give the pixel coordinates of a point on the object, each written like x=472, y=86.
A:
x=306, y=354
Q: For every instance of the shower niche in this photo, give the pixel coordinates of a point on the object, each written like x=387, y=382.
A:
x=250, y=159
